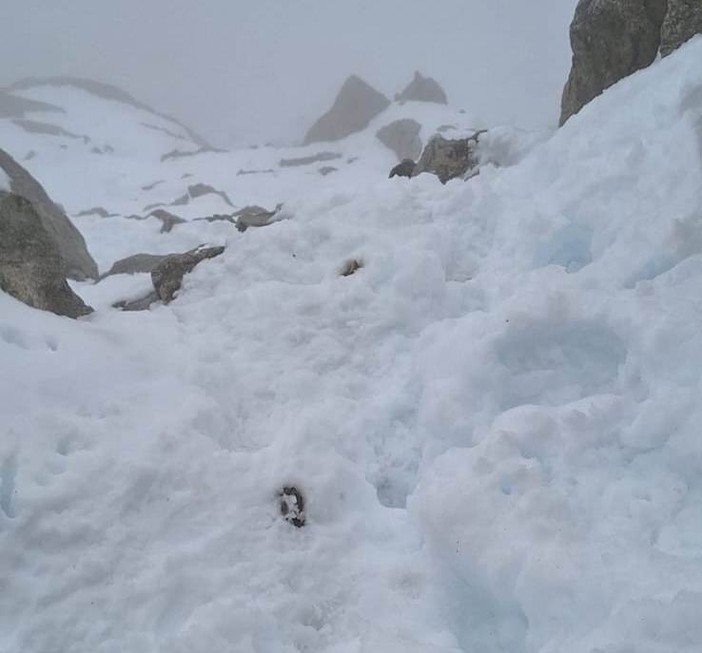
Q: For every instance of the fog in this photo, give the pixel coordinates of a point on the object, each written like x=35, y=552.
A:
x=247, y=71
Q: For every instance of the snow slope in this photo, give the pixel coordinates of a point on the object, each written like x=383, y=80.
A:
x=494, y=421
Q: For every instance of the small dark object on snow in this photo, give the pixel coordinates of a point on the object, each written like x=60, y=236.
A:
x=292, y=506
x=403, y=169
x=350, y=267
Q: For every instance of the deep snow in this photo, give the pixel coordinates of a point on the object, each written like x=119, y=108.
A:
x=495, y=421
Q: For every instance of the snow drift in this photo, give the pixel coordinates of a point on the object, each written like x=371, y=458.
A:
x=494, y=422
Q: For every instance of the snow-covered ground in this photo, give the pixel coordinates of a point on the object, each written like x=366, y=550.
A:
x=494, y=421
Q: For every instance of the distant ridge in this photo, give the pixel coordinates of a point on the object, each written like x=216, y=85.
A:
x=103, y=90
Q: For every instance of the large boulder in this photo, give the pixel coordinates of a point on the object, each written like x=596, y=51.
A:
x=71, y=245
x=449, y=159
x=422, y=89
x=355, y=106
x=610, y=39
x=31, y=266
x=682, y=22
x=402, y=137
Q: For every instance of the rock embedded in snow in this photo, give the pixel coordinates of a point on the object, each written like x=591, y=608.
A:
x=292, y=506
x=682, y=21
x=402, y=137
x=449, y=159
x=71, y=245
x=254, y=216
x=31, y=266
x=167, y=275
x=422, y=89
x=136, y=264
x=168, y=220
x=405, y=168
x=356, y=104
x=611, y=39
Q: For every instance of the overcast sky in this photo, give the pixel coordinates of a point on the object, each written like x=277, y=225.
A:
x=246, y=71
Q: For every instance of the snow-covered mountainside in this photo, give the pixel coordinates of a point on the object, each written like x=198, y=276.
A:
x=103, y=156
x=494, y=420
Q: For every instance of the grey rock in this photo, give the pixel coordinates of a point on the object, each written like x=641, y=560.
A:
x=402, y=137
x=422, y=89
x=136, y=264
x=450, y=159
x=610, y=39
x=140, y=304
x=682, y=22
x=168, y=220
x=167, y=275
x=71, y=244
x=327, y=170
x=403, y=169
x=356, y=104
x=217, y=217
x=198, y=190
x=31, y=266
x=96, y=210
x=255, y=216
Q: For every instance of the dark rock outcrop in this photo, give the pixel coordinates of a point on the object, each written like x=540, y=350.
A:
x=682, y=22
x=355, y=106
x=403, y=169
x=610, y=39
x=71, y=245
x=449, y=159
x=422, y=89
x=402, y=137
x=31, y=266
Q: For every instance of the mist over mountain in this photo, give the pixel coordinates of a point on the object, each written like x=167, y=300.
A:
x=252, y=72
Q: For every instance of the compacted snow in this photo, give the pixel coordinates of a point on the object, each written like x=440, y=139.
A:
x=494, y=421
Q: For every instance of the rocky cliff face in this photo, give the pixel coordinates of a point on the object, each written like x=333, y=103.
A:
x=355, y=106
x=682, y=21
x=69, y=241
x=610, y=40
